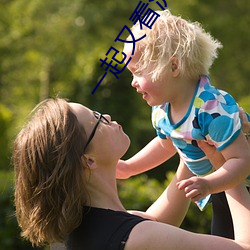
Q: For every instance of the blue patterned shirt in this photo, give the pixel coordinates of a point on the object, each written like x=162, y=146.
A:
x=213, y=115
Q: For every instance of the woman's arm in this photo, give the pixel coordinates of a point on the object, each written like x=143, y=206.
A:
x=171, y=207
x=160, y=236
x=239, y=203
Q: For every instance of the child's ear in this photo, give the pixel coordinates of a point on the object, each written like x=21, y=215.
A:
x=175, y=66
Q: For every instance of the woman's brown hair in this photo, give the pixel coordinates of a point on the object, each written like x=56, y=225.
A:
x=49, y=186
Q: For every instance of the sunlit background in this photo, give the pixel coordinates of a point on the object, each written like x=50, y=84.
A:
x=53, y=48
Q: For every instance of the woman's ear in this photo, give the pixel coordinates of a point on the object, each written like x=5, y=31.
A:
x=89, y=161
x=175, y=66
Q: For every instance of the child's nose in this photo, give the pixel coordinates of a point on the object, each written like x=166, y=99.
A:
x=134, y=83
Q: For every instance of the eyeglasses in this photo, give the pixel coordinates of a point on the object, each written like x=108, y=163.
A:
x=100, y=118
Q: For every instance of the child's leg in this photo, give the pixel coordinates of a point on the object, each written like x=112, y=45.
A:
x=222, y=224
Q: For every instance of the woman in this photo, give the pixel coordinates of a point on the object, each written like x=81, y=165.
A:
x=65, y=166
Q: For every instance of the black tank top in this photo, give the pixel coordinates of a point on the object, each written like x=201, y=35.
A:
x=102, y=229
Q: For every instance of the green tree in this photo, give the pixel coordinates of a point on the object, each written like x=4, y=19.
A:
x=227, y=21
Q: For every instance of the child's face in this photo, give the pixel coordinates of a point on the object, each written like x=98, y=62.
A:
x=152, y=92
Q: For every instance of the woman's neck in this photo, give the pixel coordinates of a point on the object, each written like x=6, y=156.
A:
x=102, y=189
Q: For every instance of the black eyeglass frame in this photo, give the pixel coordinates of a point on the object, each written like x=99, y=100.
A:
x=100, y=118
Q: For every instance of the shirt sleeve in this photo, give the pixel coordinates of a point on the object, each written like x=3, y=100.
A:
x=159, y=121
x=219, y=120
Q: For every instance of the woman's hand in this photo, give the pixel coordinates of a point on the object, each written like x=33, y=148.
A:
x=245, y=124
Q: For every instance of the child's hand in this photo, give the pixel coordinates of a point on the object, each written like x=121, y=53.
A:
x=122, y=170
x=194, y=187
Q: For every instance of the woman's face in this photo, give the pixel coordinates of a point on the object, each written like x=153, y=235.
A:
x=109, y=138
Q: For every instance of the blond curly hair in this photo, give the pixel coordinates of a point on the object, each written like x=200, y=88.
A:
x=172, y=36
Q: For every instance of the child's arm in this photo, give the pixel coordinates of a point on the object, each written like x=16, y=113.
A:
x=234, y=171
x=153, y=154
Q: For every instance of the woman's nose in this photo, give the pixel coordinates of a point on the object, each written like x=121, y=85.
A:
x=108, y=117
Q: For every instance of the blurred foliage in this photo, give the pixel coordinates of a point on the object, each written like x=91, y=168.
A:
x=5, y=124
x=139, y=192
x=50, y=48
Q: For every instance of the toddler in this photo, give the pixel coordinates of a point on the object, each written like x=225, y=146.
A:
x=170, y=69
